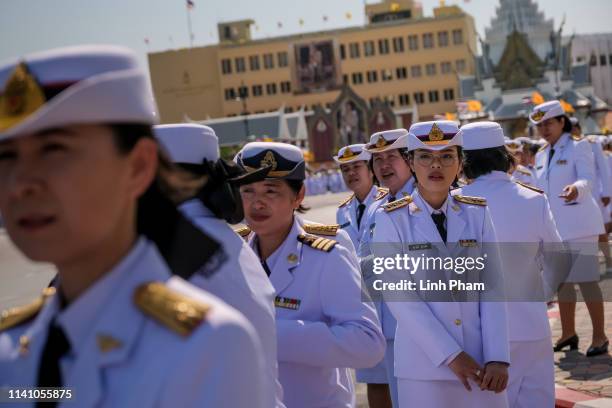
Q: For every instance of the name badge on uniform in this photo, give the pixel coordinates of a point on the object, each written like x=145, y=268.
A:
x=561, y=162
x=287, y=303
x=539, y=167
x=468, y=243
x=419, y=247
x=346, y=224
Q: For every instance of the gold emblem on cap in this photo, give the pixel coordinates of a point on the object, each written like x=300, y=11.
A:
x=381, y=142
x=348, y=154
x=435, y=134
x=269, y=160
x=21, y=97
x=538, y=115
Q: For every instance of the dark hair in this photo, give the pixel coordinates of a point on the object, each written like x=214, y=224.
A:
x=483, y=161
x=296, y=186
x=567, y=125
x=410, y=155
x=533, y=148
x=183, y=246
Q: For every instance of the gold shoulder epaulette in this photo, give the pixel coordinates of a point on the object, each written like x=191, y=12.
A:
x=576, y=138
x=394, y=205
x=243, y=231
x=313, y=241
x=322, y=229
x=170, y=308
x=345, y=202
x=382, y=193
x=532, y=188
x=525, y=172
x=21, y=314
x=544, y=146
x=470, y=200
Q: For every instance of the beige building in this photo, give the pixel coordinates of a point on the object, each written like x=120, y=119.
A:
x=400, y=57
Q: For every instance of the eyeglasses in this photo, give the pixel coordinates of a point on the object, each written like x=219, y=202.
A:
x=427, y=159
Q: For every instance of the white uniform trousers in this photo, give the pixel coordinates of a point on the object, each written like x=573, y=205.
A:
x=445, y=394
x=532, y=374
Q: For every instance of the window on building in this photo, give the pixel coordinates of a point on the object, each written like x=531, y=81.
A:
x=243, y=92
x=449, y=94
x=460, y=65
x=373, y=101
x=345, y=79
x=386, y=74
x=226, y=66
x=271, y=88
x=230, y=94
x=383, y=46
x=390, y=100
x=254, y=62
x=446, y=67
x=257, y=90
x=415, y=71
x=404, y=99
x=430, y=69
x=428, y=40
x=268, y=61
x=372, y=76
x=593, y=61
x=342, y=51
x=434, y=96
x=457, y=37
x=240, y=65
x=283, y=59
x=401, y=72
x=602, y=60
x=285, y=87
x=357, y=78
x=368, y=48
x=354, y=50
x=419, y=98
x=398, y=44
x=288, y=109
x=413, y=42
x=610, y=59
x=443, y=39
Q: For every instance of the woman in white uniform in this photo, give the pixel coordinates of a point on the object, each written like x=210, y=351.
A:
x=85, y=188
x=529, y=239
x=565, y=170
x=451, y=345
x=325, y=323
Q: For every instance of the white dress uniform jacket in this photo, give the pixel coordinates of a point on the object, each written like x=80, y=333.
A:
x=242, y=283
x=572, y=163
x=430, y=333
x=123, y=357
x=527, y=232
x=323, y=322
x=603, y=187
x=346, y=215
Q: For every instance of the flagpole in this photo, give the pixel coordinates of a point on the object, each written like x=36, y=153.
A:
x=189, y=26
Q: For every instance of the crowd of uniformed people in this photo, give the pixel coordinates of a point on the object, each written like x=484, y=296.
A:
x=158, y=301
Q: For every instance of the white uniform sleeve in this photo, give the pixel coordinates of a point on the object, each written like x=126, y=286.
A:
x=429, y=333
x=351, y=336
x=493, y=313
x=585, y=169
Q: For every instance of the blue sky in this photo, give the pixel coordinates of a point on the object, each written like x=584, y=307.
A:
x=33, y=25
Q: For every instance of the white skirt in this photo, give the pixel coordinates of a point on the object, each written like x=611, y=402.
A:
x=446, y=394
x=585, y=267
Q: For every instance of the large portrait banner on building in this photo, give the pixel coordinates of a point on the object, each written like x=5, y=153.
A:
x=316, y=67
